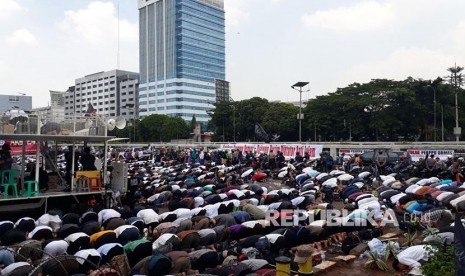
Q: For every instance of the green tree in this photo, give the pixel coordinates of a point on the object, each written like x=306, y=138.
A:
x=163, y=128
x=280, y=118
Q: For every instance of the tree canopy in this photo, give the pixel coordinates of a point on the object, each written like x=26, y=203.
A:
x=380, y=110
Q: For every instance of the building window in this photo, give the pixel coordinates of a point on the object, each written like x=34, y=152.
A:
x=13, y=99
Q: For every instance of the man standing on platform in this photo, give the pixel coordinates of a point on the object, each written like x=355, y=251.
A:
x=87, y=160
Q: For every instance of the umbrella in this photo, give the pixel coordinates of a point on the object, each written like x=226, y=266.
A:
x=247, y=173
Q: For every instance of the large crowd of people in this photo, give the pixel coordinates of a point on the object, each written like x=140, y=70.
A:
x=191, y=212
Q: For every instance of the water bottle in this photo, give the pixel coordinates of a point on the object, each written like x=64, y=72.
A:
x=323, y=256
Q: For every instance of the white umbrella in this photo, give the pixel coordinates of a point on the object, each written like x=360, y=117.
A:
x=247, y=173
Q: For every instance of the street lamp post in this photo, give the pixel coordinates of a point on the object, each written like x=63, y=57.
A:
x=300, y=85
x=434, y=104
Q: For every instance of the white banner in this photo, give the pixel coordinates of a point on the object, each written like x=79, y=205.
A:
x=352, y=152
x=289, y=150
x=416, y=154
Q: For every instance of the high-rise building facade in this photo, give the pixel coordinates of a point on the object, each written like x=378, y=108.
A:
x=182, y=55
x=112, y=93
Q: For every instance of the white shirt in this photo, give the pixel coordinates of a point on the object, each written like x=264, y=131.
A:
x=148, y=215
x=274, y=205
x=162, y=240
x=412, y=255
x=296, y=201
x=104, y=249
x=414, y=190
x=121, y=228
x=55, y=248
x=198, y=201
x=212, y=210
x=106, y=214
x=183, y=213
x=205, y=232
x=9, y=269
x=36, y=229
x=53, y=221
x=442, y=196
x=410, y=188
x=196, y=211
x=396, y=198
x=273, y=237
x=73, y=237
x=237, y=193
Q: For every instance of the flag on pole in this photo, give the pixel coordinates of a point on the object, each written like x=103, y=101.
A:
x=261, y=134
x=91, y=111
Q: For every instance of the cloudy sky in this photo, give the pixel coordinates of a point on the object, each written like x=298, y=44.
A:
x=271, y=44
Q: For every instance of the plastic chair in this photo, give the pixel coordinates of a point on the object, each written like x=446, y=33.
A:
x=82, y=184
x=8, y=180
x=32, y=188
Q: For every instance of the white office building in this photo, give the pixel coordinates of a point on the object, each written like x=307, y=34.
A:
x=112, y=93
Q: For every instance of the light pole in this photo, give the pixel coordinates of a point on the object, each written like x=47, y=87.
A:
x=300, y=85
x=456, y=80
x=234, y=118
x=434, y=103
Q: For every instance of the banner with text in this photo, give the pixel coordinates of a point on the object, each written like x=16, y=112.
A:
x=17, y=147
x=289, y=150
x=352, y=152
x=416, y=154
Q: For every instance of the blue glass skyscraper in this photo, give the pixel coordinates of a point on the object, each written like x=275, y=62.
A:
x=182, y=57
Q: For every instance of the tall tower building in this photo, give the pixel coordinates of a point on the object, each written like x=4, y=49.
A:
x=182, y=57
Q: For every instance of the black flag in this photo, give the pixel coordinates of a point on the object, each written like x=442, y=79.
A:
x=459, y=244
x=261, y=134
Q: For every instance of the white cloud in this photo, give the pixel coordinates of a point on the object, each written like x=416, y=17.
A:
x=98, y=23
x=363, y=16
x=402, y=63
x=236, y=12
x=21, y=37
x=3, y=67
x=8, y=8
